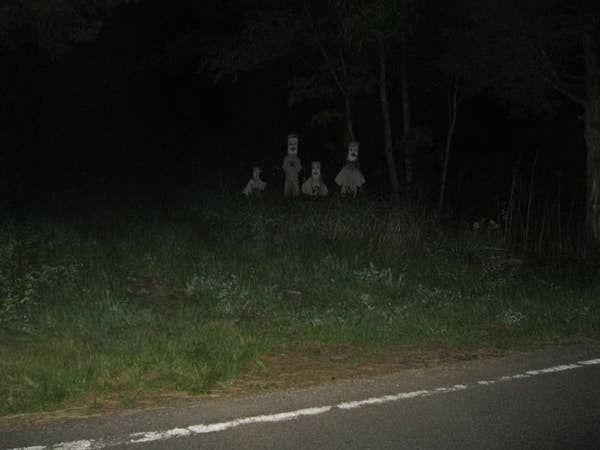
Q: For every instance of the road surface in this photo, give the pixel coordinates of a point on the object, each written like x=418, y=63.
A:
x=548, y=399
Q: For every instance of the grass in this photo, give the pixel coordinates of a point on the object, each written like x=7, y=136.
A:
x=117, y=303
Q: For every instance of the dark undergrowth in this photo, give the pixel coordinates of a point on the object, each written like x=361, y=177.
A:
x=113, y=303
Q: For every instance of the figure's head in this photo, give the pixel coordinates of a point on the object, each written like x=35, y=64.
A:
x=256, y=170
x=292, y=144
x=315, y=169
x=353, y=148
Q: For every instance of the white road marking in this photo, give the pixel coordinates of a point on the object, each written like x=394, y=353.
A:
x=281, y=417
x=553, y=369
x=76, y=445
x=153, y=436
x=591, y=362
x=159, y=436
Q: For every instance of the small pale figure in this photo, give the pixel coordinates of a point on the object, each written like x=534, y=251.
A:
x=255, y=186
x=314, y=186
x=291, y=167
x=350, y=179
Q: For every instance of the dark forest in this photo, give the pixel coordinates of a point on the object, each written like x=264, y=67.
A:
x=104, y=98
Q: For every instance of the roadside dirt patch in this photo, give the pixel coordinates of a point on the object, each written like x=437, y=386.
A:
x=311, y=364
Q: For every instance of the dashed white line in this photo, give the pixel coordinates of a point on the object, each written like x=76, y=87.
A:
x=159, y=436
x=384, y=399
x=153, y=436
x=590, y=362
x=553, y=369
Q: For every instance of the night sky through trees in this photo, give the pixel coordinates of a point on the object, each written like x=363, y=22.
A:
x=134, y=111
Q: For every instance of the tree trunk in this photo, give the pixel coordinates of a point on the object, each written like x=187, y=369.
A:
x=348, y=116
x=592, y=134
x=406, y=120
x=452, y=111
x=591, y=105
x=341, y=84
x=387, y=126
x=347, y=98
x=592, y=138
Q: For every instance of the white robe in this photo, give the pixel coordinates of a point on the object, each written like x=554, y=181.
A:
x=254, y=186
x=350, y=179
x=315, y=187
x=291, y=167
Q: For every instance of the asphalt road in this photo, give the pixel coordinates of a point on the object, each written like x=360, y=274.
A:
x=548, y=399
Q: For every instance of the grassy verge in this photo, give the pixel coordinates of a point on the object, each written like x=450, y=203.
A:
x=119, y=303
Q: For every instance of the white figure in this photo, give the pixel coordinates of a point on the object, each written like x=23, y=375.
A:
x=291, y=167
x=255, y=186
x=350, y=179
x=314, y=186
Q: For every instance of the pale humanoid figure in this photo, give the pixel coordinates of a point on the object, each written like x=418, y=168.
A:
x=255, y=186
x=291, y=167
x=314, y=186
x=350, y=179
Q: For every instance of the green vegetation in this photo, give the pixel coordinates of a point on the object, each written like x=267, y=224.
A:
x=116, y=303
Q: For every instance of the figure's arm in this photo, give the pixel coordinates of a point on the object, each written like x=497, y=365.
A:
x=248, y=189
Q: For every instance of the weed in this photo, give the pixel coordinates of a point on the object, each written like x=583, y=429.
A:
x=105, y=306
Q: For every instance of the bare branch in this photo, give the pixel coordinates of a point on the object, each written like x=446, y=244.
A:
x=323, y=50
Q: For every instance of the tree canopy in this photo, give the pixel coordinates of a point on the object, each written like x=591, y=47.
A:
x=51, y=27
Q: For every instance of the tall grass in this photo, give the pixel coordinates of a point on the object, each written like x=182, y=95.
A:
x=543, y=216
x=115, y=305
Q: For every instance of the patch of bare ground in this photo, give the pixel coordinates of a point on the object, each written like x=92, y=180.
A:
x=312, y=364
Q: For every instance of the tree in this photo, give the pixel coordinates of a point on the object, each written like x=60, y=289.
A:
x=331, y=35
x=556, y=48
x=462, y=61
x=306, y=32
x=383, y=23
x=453, y=91
x=51, y=27
x=32, y=34
x=326, y=35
